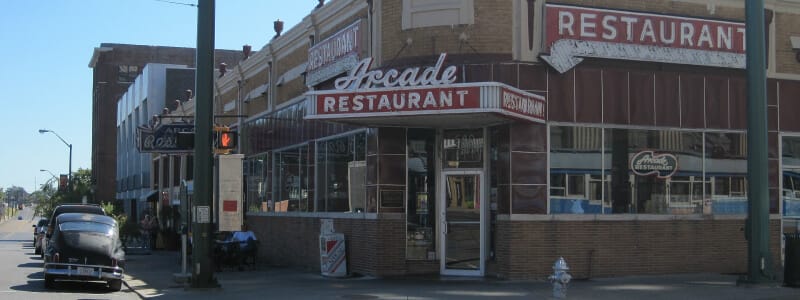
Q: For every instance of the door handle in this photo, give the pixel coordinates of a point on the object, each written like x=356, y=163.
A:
x=446, y=228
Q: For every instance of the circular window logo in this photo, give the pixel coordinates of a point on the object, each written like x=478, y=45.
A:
x=647, y=163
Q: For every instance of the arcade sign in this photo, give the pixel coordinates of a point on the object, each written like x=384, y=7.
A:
x=648, y=163
x=574, y=32
x=361, y=77
x=419, y=91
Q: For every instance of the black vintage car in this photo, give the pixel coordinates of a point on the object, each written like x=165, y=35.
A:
x=84, y=247
x=68, y=208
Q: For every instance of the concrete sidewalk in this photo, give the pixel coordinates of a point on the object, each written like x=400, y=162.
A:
x=151, y=276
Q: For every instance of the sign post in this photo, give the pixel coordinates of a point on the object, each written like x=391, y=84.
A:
x=202, y=273
x=759, y=262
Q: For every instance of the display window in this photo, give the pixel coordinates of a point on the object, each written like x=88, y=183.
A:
x=647, y=171
x=341, y=173
x=291, y=181
x=790, y=160
x=421, y=206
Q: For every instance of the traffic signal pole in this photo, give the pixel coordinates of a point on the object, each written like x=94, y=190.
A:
x=759, y=262
x=202, y=208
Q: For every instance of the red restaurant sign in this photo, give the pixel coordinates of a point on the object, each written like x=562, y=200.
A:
x=366, y=92
x=530, y=105
x=420, y=99
x=581, y=31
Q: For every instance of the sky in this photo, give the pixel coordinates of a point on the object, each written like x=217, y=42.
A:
x=46, y=46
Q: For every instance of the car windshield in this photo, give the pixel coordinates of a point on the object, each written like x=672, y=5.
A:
x=87, y=226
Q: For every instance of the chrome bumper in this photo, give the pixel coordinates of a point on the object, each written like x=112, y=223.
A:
x=97, y=272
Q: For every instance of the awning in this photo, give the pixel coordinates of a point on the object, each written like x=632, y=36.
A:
x=151, y=196
x=453, y=105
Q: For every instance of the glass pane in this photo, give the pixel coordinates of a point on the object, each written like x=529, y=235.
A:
x=463, y=148
x=291, y=191
x=421, y=206
x=791, y=177
x=463, y=222
x=463, y=246
x=726, y=168
x=575, y=155
x=463, y=200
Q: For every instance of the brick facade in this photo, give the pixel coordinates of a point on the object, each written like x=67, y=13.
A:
x=606, y=248
x=598, y=91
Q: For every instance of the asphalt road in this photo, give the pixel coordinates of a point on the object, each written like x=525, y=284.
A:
x=21, y=271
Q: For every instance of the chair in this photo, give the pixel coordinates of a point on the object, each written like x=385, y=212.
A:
x=249, y=253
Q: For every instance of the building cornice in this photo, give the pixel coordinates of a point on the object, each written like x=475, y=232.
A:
x=96, y=55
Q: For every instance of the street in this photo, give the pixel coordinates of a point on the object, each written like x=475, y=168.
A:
x=151, y=277
x=22, y=270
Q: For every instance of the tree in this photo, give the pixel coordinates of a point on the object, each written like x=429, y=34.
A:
x=50, y=198
x=47, y=198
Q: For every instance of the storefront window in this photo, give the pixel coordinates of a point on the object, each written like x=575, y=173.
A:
x=726, y=170
x=341, y=174
x=291, y=181
x=463, y=148
x=421, y=206
x=575, y=170
x=790, y=161
x=255, y=184
x=614, y=170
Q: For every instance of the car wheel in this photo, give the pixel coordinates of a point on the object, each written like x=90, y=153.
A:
x=49, y=281
x=115, y=285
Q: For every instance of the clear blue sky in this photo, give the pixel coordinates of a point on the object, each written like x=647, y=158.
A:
x=46, y=82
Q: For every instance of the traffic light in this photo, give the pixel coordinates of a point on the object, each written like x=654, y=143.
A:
x=224, y=139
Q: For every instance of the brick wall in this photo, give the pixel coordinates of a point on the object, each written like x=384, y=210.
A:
x=295, y=87
x=786, y=26
x=528, y=249
x=374, y=246
x=491, y=32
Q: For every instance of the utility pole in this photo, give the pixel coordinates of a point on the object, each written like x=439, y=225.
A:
x=202, y=210
x=759, y=262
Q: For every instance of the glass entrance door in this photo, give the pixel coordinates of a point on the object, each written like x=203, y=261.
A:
x=462, y=215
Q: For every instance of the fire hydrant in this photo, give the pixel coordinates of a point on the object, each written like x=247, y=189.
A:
x=560, y=278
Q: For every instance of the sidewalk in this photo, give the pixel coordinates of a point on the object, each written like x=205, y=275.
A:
x=151, y=276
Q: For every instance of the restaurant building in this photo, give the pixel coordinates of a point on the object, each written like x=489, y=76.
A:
x=490, y=137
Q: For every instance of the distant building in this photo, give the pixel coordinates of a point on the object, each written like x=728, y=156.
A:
x=115, y=68
x=152, y=93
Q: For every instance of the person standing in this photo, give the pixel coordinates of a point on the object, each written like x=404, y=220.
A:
x=144, y=229
x=154, y=225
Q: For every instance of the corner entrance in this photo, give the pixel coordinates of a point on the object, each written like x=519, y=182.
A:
x=462, y=215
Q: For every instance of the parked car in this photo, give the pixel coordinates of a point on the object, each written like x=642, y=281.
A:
x=84, y=247
x=69, y=208
x=39, y=231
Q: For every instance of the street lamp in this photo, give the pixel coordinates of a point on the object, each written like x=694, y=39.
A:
x=69, y=174
x=51, y=174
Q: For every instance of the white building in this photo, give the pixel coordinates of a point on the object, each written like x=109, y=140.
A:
x=155, y=90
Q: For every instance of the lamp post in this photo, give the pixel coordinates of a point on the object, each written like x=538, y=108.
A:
x=51, y=174
x=69, y=174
